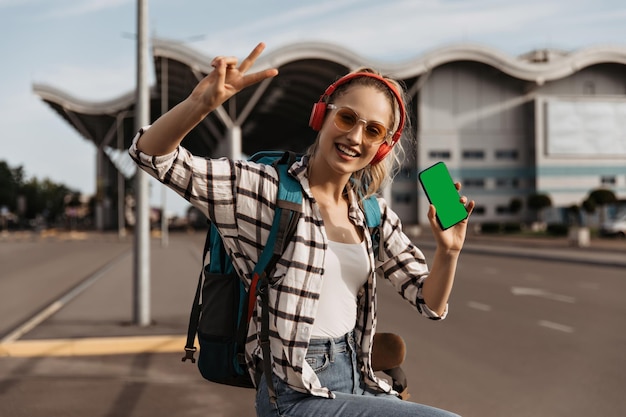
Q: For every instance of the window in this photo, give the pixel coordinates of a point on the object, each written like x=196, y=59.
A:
x=439, y=154
x=473, y=183
x=503, y=210
x=507, y=182
x=402, y=198
x=473, y=154
x=608, y=180
x=478, y=210
x=508, y=154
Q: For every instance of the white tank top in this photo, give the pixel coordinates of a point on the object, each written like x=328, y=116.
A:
x=346, y=268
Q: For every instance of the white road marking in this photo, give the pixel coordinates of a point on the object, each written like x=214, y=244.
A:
x=55, y=306
x=538, y=292
x=556, y=326
x=478, y=306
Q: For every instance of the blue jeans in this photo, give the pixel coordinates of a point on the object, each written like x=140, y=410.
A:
x=335, y=363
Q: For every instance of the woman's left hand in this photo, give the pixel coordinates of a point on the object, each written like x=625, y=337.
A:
x=451, y=239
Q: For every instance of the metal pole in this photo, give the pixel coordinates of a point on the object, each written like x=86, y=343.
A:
x=141, y=308
x=233, y=136
x=164, y=107
x=121, y=182
x=99, y=189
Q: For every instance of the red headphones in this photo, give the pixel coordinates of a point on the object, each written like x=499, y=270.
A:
x=319, y=111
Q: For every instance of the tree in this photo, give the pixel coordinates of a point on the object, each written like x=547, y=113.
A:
x=601, y=197
x=11, y=180
x=573, y=214
x=515, y=205
x=42, y=198
x=537, y=202
x=589, y=206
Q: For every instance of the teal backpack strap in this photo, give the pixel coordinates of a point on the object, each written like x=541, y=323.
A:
x=373, y=219
x=372, y=212
x=289, y=202
x=286, y=216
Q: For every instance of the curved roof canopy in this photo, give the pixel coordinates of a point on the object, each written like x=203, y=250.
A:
x=275, y=114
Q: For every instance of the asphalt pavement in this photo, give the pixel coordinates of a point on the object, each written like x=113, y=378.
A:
x=82, y=355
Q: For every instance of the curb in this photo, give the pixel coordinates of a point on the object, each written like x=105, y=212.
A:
x=599, y=258
x=93, y=346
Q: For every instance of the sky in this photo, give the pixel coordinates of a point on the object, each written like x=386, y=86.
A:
x=86, y=48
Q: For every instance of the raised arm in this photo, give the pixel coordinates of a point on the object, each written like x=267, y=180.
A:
x=226, y=80
x=438, y=286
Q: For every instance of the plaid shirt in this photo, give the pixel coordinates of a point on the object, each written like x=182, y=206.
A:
x=240, y=198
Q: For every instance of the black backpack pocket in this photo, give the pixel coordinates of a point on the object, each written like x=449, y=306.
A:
x=221, y=353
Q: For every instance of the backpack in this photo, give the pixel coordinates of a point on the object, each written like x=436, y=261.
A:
x=223, y=304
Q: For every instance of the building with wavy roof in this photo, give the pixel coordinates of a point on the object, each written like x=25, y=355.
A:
x=548, y=121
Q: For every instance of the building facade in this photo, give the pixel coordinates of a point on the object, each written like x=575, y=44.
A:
x=547, y=122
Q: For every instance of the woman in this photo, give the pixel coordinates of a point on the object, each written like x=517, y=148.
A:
x=323, y=311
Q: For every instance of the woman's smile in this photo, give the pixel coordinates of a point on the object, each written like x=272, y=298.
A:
x=345, y=150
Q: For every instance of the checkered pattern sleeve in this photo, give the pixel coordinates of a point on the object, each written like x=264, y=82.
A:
x=237, y=196
x=403, y=264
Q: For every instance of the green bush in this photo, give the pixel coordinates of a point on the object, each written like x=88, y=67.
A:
x=490, y=228
x=557, y=229
x=512, y=227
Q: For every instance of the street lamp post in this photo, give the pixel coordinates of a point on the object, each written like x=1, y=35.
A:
x=141, y=279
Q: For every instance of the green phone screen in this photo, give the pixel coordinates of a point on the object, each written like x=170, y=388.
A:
x=442, y=193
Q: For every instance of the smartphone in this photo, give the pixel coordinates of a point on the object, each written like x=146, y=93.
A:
x=441, y=192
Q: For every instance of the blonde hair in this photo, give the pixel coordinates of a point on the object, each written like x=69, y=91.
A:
x=369, y=180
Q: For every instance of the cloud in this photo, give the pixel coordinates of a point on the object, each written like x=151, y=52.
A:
x=44, y=144
x=13, y=3
x=90, y=81
x=402, y=29
x=81, y=7
x=389, y=30
x=19, y=110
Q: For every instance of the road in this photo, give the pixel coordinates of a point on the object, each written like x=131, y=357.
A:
x=524, y=337
x=36, y=273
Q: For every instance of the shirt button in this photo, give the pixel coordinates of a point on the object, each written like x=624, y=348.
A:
x=305, y=330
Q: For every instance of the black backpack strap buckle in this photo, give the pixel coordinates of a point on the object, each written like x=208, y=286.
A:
x=189, y=352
